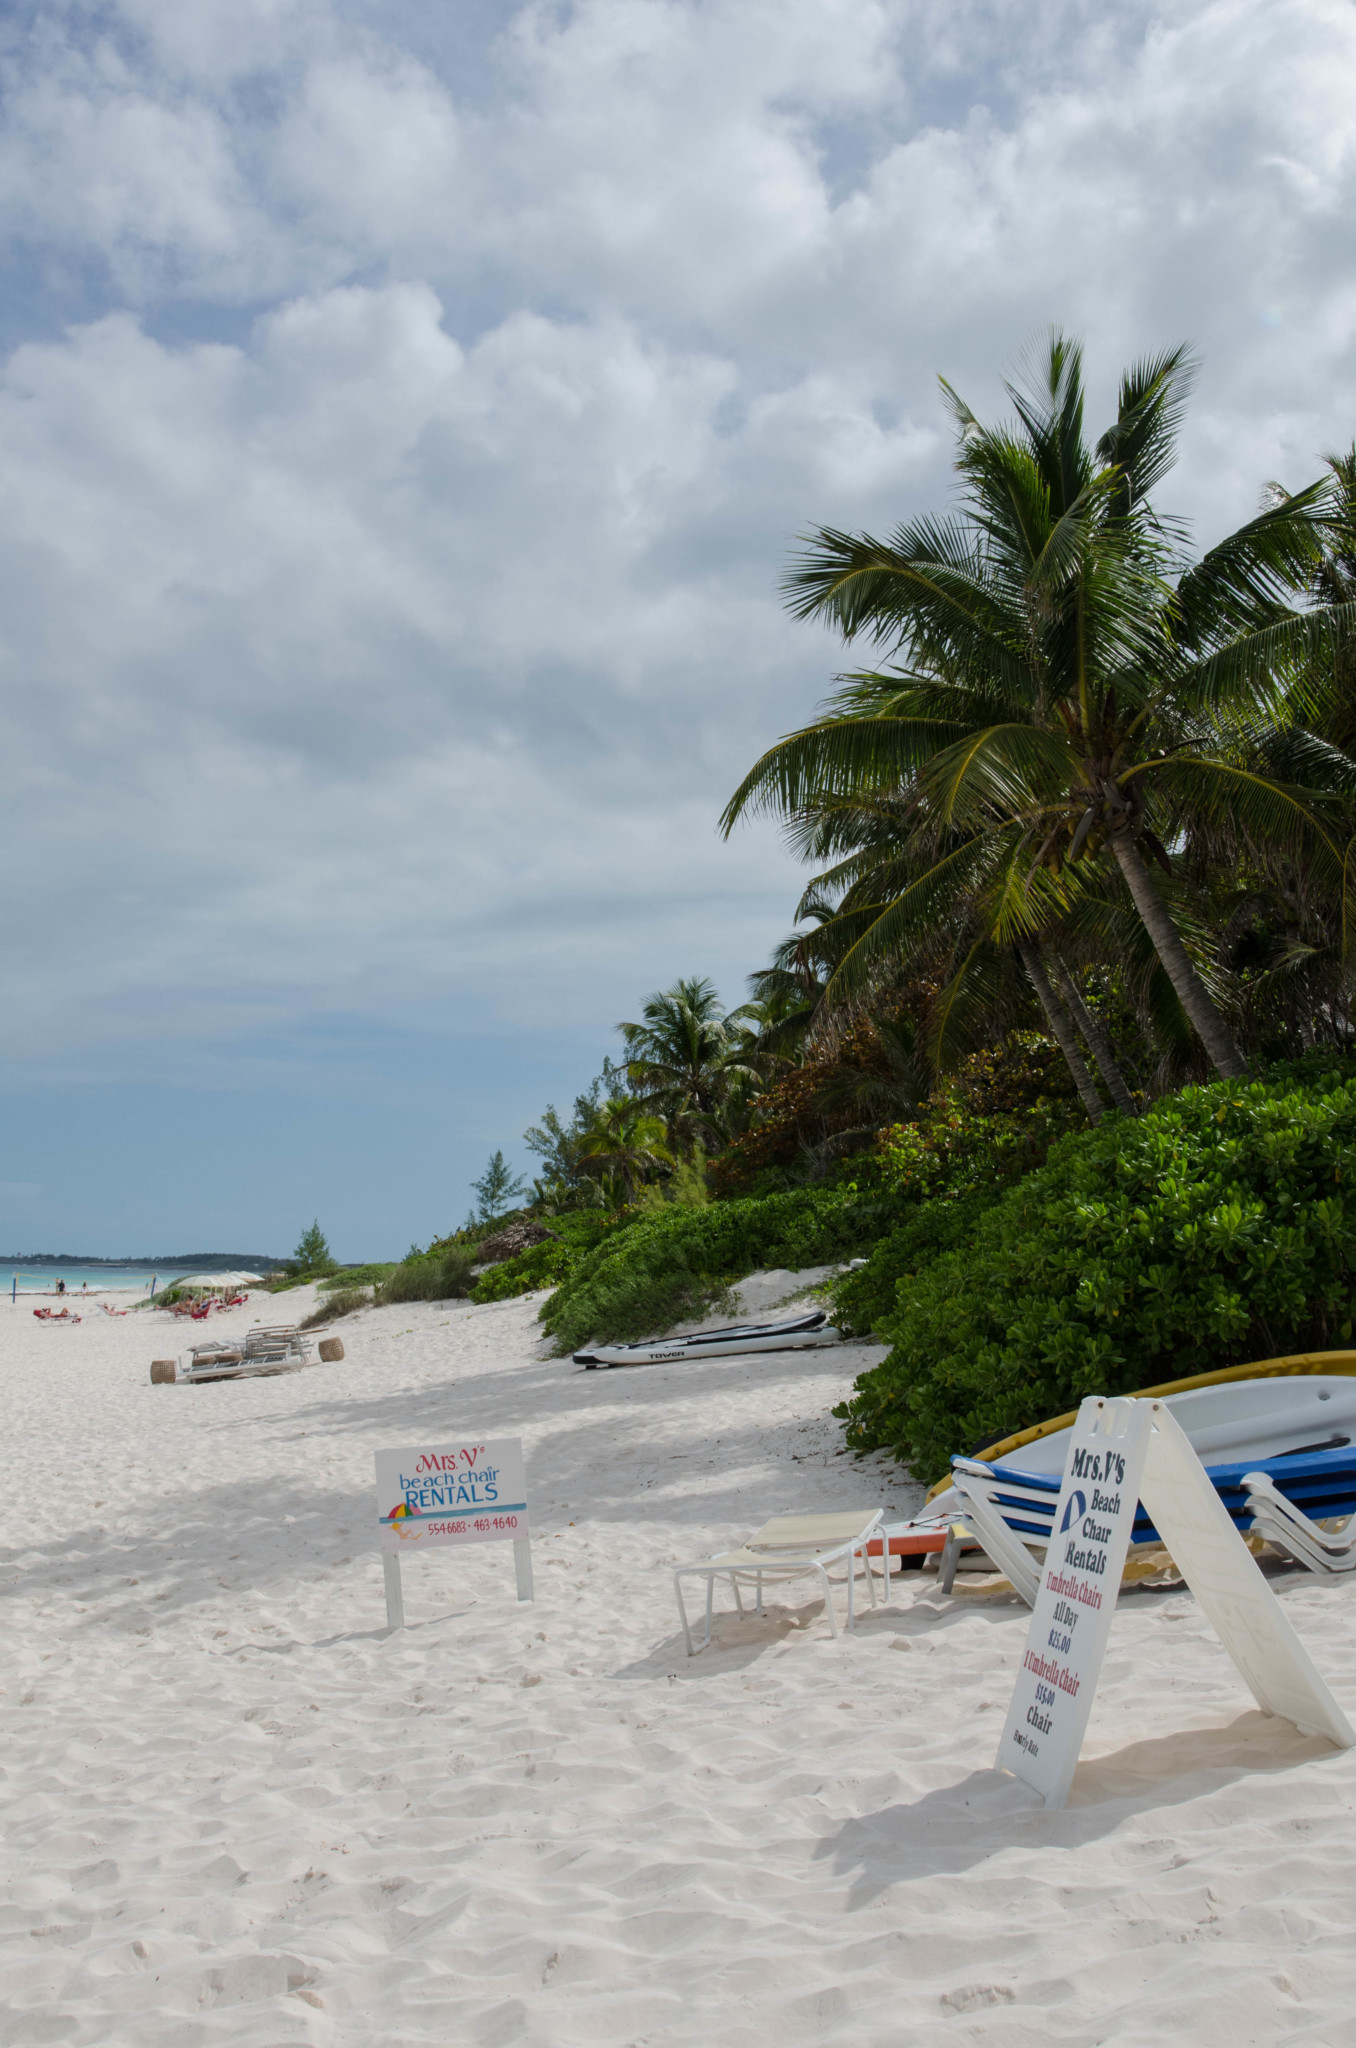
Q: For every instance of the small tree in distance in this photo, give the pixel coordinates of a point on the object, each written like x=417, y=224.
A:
x=497, y=1190
x=313, y=1254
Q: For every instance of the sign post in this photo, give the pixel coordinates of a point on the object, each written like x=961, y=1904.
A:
x=395, y=1592
x=1122, y=1452
x=439, y=1495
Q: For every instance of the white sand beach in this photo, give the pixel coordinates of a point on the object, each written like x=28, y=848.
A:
x=237, y=1811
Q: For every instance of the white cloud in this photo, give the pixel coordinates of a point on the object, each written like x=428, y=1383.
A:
x=391, y=530
x=369, y=625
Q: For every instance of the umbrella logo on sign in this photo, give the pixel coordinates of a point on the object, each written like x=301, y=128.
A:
x=1077, y=1506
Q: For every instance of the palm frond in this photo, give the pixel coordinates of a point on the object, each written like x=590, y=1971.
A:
x=1142, y=444
x=1257, y=669
x=913, y=914
x=1252, y=577
x=999, y=772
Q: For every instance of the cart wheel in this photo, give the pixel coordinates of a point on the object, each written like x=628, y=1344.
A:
x=164, y=1371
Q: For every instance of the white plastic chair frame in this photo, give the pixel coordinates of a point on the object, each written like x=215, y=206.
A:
x=791, y=1547
x=283, y=1340
x=977, y=1486
x=1290, y=1529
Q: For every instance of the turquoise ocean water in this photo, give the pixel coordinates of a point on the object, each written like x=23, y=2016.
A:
x=43, y=1279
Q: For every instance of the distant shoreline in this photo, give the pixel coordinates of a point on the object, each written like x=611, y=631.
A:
x=196, y=1262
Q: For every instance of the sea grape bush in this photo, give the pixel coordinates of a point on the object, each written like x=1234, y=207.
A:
x=1218, y=1227
x=864, y=1300
x=547, y=1264
x=643, y=1279
x=541, y=1265
x=952, y=1150
x=953, y=1163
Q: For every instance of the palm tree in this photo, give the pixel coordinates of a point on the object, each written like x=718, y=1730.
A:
x=1063, y=682
x=686, y=1057
x=886, y=1086
x=626, y=1143
x=1089, y=1024
x=1286, y=920
x=975, y=944
x=785, y=995
x=1334, y=586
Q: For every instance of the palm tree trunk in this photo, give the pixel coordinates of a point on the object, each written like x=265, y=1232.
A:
x=1206, y=1021
x=1095, y=1036
x=1061, y=1028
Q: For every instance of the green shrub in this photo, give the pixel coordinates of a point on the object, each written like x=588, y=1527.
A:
x=343, y=1302
x=863, y=1301
x=436, y=1275
x=662, y=1267
x=953, y=1149
x=1217, y=1228
x=541, y=1265
x=955, y=1163
x=357, y=1276
x=546, y=1265
x=474, y=1229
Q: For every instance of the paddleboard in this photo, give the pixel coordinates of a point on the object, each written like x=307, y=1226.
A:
x=798, y=1333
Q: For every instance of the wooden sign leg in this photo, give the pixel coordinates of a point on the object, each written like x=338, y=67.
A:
x=522, y=1565
x=395, y=1599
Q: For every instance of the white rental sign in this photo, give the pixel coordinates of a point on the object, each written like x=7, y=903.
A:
x=1077, y=1598
x=433, y=1495
x=1122, y=1452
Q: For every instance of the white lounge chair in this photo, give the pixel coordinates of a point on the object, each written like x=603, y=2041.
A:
x=987, y=1500
x=791, y=1547
x=1288, y=1528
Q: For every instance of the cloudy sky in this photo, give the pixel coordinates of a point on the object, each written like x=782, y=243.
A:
x=405, y=414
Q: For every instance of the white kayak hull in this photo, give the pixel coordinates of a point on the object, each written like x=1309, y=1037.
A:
x=1264, y=1418
x=800, y=1333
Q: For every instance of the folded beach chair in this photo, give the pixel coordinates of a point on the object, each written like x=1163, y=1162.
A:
x=1005, y=1515
x=791, y=1547
x=204, y=1355
x=264, y=1351
x=281, y=1342
x=1288, y=1528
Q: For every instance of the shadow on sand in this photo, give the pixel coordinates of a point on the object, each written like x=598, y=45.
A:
x=210, y=1534
x=958, y=1827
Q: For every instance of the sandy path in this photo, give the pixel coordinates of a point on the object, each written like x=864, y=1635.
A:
x=238, y=1812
